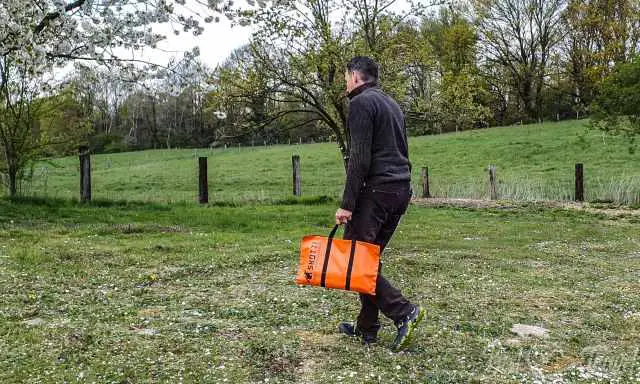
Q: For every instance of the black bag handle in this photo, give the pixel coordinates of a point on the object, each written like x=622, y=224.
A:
x=333, y=231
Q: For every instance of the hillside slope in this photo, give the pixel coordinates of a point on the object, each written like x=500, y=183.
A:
x=533, y=162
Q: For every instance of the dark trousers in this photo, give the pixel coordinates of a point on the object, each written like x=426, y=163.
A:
x=375, y=218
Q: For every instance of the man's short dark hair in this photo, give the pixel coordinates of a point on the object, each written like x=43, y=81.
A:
x=366, y=66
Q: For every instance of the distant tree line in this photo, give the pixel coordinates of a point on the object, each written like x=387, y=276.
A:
x=453, y=67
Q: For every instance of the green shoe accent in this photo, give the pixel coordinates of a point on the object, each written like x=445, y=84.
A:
x=406, y=330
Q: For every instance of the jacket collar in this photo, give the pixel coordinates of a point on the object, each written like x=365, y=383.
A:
x=361, y=89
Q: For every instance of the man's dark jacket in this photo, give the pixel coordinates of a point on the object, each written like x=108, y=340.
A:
x=379, y=153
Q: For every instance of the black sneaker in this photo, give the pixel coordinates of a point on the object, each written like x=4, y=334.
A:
x=352, y=331
x=406, y=328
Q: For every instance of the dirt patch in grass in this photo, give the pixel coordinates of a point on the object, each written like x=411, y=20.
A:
x=315, y=339
x=310, y=344
x=562, y=363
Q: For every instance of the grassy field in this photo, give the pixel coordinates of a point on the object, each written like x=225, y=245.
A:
x=145, y=291
x=534, y=162
x=132, y=292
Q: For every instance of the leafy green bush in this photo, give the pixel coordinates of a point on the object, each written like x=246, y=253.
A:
x=616, y=109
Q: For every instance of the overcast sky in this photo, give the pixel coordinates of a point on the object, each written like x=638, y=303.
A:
x=216, y=43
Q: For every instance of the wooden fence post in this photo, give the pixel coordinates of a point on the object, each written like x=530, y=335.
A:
x=579, y=196
x=297, y=191
x=203, y=182
x=425, y=182
x=85, y=174
x=493, y=190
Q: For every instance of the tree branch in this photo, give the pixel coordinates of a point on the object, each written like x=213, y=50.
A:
x=54, y=15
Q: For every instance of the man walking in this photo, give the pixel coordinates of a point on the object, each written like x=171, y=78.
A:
x=376, y=194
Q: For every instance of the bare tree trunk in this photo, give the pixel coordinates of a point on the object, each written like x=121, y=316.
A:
x=13, y=183
x=12, y=171
x=154, y=124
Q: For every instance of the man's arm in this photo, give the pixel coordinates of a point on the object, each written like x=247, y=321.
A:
x=360, y=122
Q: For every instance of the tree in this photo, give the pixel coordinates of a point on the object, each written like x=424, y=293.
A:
x=519, y=36
x=616, y=108
x=301, y=48
x=18, y=133
x=459, y=101
x=301, y=55
x=600, y=34
x=62, y=122
x=423, y=79
x=241, y=90
x=460, y=89
x=453, y=40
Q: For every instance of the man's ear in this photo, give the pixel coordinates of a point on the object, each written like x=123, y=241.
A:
x=356, y=77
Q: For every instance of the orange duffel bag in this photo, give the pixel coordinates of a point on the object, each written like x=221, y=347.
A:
x=342, y=264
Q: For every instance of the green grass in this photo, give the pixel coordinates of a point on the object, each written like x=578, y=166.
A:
x=121, y=292
x=131, y=289
x=534, y=162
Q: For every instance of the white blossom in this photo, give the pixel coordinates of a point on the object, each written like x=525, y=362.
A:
x=39, y=39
